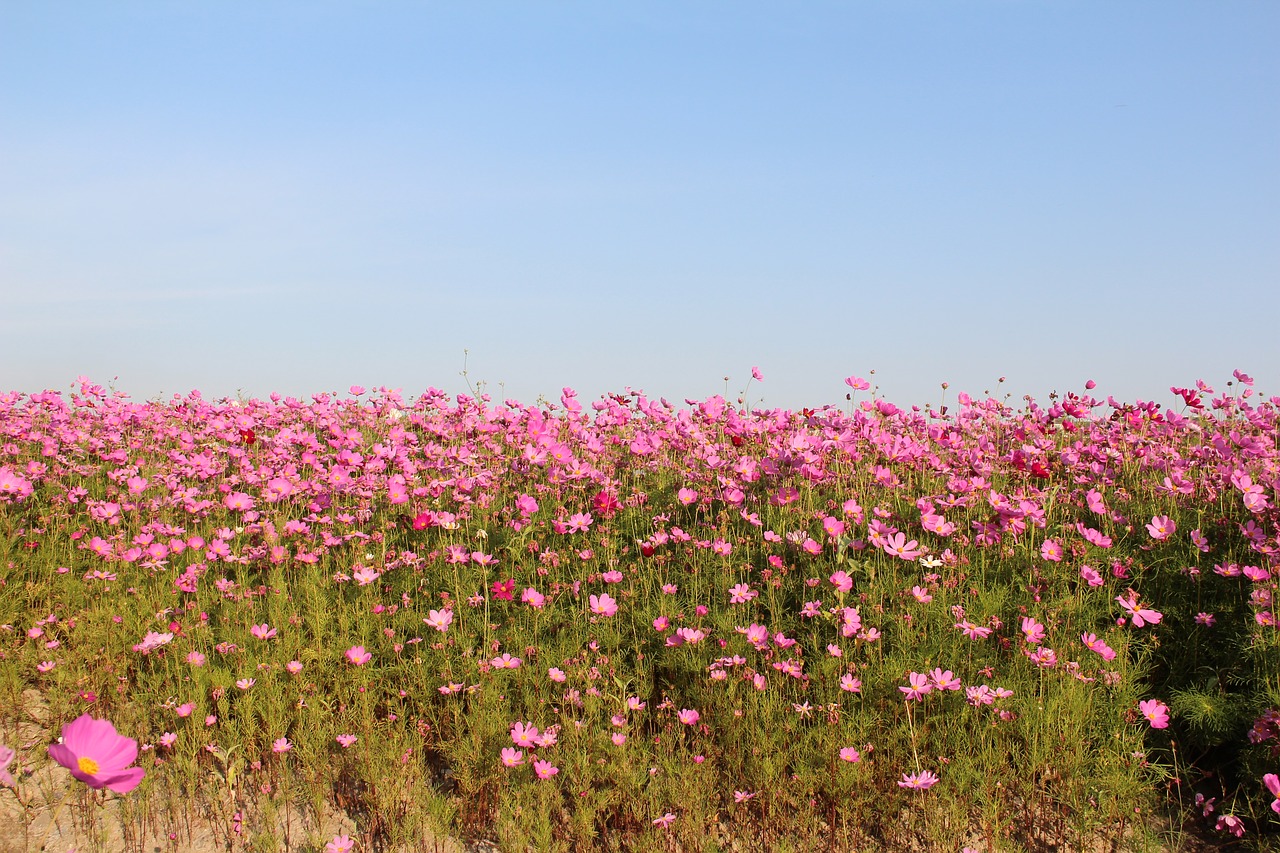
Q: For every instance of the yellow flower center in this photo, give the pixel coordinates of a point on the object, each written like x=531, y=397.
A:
x=88, y=765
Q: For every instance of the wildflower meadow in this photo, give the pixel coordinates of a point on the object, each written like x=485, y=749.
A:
x=363, y=622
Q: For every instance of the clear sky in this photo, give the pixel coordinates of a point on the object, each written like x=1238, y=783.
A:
x=303, y=196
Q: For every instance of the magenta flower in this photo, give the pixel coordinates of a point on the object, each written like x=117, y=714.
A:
x=439, y=619
x=1161, y=527
x=1156, y=712
x=603, y=604
x=358, y=656
x=97, y=755
x=1270, y=780
x=6, y=758
x=918, y=781
x=688, y=716
x=340, y=844
x=919, y=685
x=545, y=769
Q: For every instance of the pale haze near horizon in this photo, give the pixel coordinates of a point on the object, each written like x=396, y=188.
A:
x=300, y=197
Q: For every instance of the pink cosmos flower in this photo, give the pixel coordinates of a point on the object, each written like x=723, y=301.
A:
x=580, y=522
x=281, y=746
x=842, y=581
x=1090, y=576
x=850, y=755
x=263, y=631
x=686, y=496
x=545, y=769
x=688, y=716
x=898, y=546
x=1032, y=630
x=98, y=755
x=944, y=680
x=340, y=844
x=522, y=735
x=919, y=686
x=918, y=781
x=1139, y=615
x=1156, y=712
x=1270, y=780
x=1230, y=823
x=1092, y=643
x=512, y=757
x=6, y=758
x=1161, y=527
x=1051, y=551
x=741, y=593
x=358, y=656
x=346, y=741
x=439, y=619
x=857, y=383
x=533, y=598
x=665, y=821
x=603, y=604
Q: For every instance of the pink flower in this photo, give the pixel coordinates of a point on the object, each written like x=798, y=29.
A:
x=545, y=769
x=97, y=755
x=358, y=656
x=6, y=758
x=522, y=735
x=281, y=745
x=1140, y=615
x=1051, y=551
x=340, y=844
x=345, y=741
x=1230, y=823
x=688, y=716
x=857, y=383
x=603, y=605
x=918, y=781
x=665, y=821
x=533, y=598
x=1032, y=630
x=439, y=619
x=1161, y=527
x=1270, y=780
x=263, y=631
x=1092, y=643
x=1156, y=712
x=1090, y=576
x=842, y=581
x=293, y=667
x=741, y=593
x=850, y=755
x=185, y=709
x=512, y=757
x=919, y=686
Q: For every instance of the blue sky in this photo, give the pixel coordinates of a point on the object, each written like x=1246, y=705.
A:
x=303, y=196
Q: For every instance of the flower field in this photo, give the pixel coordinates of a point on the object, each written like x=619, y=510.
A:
x=631, y=625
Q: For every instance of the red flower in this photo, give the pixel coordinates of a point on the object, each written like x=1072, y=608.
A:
x=247, y=436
